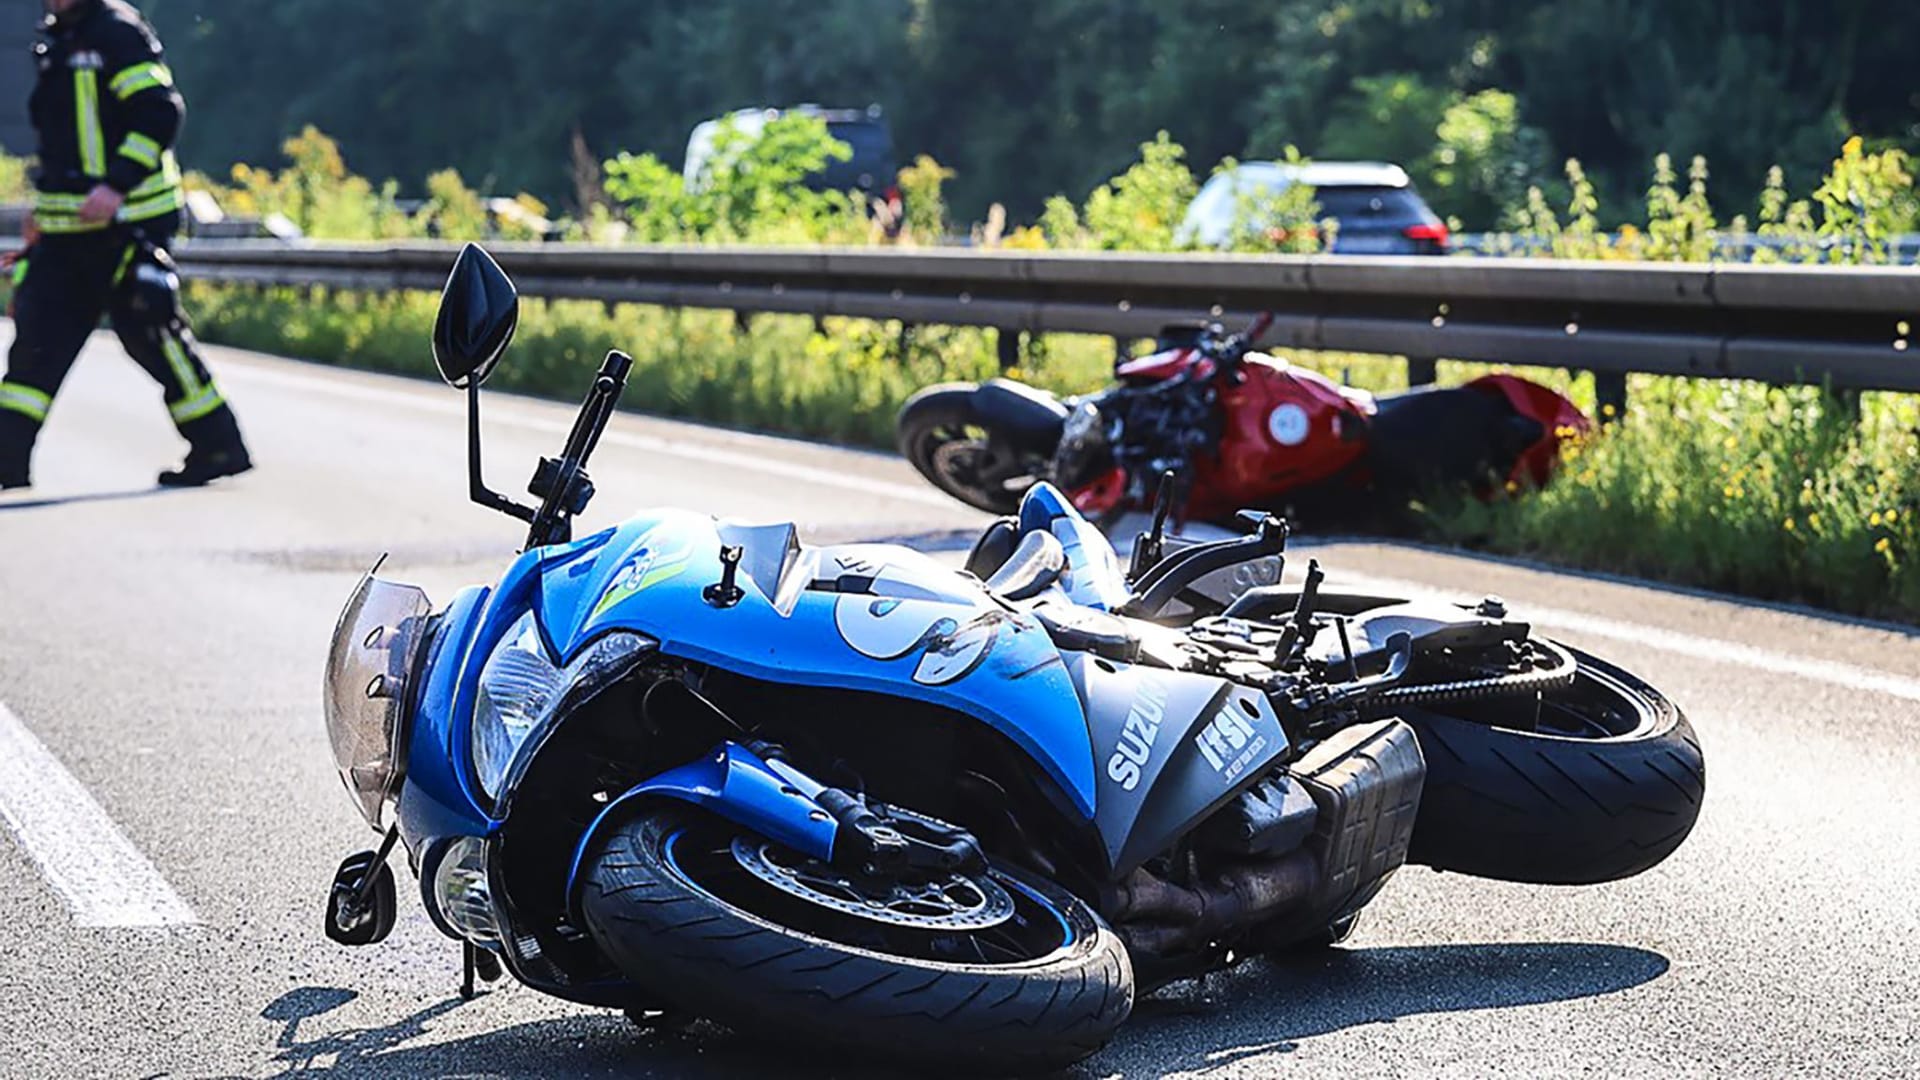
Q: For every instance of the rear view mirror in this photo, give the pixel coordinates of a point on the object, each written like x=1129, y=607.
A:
x=479, y=310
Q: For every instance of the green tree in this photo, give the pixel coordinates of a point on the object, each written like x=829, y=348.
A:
x=1391, y=117
x=1483, y=160
x=1025, y=98
x=751, y=188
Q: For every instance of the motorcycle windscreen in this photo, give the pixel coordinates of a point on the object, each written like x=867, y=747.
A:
x=374, y=645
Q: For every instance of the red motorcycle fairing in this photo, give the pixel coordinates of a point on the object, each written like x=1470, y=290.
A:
x=1559, y=420
x=1284, y=428
x=1103, y=496
x=1156, y=367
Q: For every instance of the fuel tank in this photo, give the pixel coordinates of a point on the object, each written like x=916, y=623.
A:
x=868, y=617
x=1283, y=427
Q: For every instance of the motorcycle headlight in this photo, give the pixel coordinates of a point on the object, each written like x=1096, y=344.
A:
x=521, y=690
x=462, y=895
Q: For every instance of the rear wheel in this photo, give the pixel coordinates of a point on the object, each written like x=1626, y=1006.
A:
x=1601, y=781
x=993, y=971
x=944, y=437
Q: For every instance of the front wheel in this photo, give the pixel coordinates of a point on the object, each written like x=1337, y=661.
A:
x=1595, y=781
x=946, y=439
x=994, y=971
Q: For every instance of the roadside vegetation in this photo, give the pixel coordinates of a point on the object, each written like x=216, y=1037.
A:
x=1782, y=493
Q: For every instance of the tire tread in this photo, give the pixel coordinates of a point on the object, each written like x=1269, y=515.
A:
x=1519, y=807
x=757, y=978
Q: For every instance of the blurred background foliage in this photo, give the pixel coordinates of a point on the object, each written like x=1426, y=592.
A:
x=1025, y=99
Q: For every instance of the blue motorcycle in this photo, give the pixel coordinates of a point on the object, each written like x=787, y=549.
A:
x=866, y=804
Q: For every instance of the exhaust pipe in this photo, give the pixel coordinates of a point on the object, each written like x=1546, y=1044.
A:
x=1159, y=918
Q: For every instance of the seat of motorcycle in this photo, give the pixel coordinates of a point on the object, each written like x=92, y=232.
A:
x=994, y=547
x=1034, y=566
x=1433, y=437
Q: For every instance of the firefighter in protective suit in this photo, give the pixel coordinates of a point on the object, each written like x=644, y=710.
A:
x=108, y=203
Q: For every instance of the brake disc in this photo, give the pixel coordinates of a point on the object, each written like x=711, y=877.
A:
x=950, y=903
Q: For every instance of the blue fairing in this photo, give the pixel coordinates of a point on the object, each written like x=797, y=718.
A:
x=915, y=630
x=440, y=798
x=1093, y=577
x=770, y=798
x=866, y=617
x=436, y=800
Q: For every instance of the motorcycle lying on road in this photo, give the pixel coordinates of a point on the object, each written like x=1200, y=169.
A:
x=1239, y=429
x=853, y=801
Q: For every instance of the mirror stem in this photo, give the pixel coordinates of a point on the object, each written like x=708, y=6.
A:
x=477, y=489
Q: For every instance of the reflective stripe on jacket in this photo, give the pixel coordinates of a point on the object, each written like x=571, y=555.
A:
x=106, y=111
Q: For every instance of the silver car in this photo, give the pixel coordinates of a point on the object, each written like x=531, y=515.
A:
x=1378, y=210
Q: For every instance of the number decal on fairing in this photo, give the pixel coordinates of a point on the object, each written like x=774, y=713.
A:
x=885, y=628
x=1289, y=425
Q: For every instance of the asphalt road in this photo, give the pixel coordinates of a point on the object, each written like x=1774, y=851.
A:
x=166, y=648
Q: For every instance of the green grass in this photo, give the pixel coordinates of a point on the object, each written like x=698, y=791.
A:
x=1775, y=493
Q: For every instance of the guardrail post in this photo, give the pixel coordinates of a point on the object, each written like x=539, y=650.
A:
x=743, y=322
x=906, y=341
x=1009, y=343
x=1610, y=394
x=1844, y=403
x=1422, y=370
x=1122, y=351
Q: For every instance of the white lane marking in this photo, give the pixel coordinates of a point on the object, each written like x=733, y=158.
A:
x=85, y=857
x=765, y=464
x=1847, y=676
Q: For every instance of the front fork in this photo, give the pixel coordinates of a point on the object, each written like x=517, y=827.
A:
x=756, y=788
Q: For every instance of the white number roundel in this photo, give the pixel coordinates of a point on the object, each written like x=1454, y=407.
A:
x=1289, y=425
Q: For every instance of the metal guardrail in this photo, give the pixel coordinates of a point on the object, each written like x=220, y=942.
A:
x=1850, y=327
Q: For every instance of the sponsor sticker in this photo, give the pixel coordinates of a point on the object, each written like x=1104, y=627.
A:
x=1229, y=742
x=1289, y=425
x=1135, y=746
x=648, y=567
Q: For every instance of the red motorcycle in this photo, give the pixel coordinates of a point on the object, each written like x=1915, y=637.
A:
x=1238, y=429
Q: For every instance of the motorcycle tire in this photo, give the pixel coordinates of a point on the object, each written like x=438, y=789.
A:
x=1608, y=785
x=939, y=435
x=688, y=925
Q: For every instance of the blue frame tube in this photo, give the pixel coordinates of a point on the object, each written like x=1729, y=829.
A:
x=771, y=798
